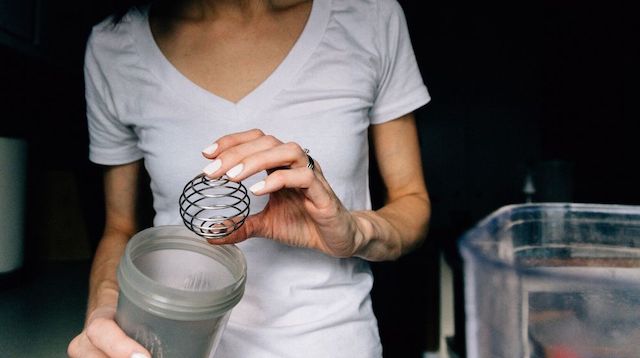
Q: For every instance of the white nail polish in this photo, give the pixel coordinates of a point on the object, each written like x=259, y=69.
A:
x=257, y=186
x=235, y=170
x=210, y=149
x=212, y=167
x=139, y=355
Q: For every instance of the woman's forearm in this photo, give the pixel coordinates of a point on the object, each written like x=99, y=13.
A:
x=103, y=286
x=393, y=230
x=120, y=224
x=402, y=223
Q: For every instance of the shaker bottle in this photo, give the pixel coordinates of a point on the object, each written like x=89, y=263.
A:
x=177, y=291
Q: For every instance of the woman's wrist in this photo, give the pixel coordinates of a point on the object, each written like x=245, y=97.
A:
x=374, y=239
x=103, y=299
x=107, y=311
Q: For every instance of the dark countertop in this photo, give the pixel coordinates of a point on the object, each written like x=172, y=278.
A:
x=41, y=313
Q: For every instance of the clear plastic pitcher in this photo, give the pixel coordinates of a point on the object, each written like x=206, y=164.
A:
x=177, y=291
x=553, y=281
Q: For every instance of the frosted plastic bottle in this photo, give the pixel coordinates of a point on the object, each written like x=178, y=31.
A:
x=177, y=291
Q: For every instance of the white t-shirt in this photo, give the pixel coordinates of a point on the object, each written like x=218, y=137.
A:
x=353, y=66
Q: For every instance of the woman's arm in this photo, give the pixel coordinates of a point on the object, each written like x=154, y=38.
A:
x=120, y=185
x=304, y=211
x=101, y=336
x=402, y=223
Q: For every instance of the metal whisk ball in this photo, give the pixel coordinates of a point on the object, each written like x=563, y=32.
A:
x=213, y=208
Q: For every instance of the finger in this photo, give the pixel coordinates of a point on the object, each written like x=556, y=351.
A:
x=229, y=158
x=289, y=155
x=231, y=140
x=243, y=232
x=301, y=178
x=81, y=347
x=105, y=335
x=312, y=184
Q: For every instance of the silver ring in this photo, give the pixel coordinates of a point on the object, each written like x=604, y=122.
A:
x=310, y=162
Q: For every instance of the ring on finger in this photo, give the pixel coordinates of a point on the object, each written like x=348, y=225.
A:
x=310, y=163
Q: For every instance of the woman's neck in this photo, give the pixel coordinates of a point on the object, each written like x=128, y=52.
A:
x=207, y=10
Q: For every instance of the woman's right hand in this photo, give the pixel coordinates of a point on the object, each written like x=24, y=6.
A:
x=101, y=337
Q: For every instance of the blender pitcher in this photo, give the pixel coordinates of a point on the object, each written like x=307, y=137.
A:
x=553, y=280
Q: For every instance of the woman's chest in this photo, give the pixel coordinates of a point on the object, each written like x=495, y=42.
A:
x=231, y=58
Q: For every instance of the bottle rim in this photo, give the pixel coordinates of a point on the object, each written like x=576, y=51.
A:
x=176, y=303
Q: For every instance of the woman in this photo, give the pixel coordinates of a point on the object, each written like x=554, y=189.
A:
x=257, y=84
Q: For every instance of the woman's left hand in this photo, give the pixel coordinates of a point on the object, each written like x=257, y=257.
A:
x=302, y=210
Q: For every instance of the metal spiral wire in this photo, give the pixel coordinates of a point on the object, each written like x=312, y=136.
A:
x=213, y=208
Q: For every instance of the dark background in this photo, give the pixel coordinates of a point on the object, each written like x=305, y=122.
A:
x=523, y=87
x=539, y=87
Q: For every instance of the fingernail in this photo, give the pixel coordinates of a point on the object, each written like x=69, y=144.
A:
x=235, y=170
x=257, y=186
x=139, y=355
x=212, y=167
x=210, y=149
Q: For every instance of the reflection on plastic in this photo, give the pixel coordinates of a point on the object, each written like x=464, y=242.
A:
x=197, y=282
x=145, y=336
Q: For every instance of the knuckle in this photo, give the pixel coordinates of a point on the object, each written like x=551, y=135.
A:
x=224, y=141
x=257, y=132
x=231, y=154
x=294, y=146
x=224, y=156
x=277, y=177
x=74, y=347
x=96, y=327
x=273, y=141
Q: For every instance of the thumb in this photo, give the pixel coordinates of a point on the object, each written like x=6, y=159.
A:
x=253, y=226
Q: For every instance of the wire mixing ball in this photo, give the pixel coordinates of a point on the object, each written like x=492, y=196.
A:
x=213, y=208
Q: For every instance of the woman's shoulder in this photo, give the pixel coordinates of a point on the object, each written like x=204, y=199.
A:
x=114, y=35
x=117, y=28
x=376, y=6
x=376, y=13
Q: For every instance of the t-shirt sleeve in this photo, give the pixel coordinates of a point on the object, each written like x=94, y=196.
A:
x=111, y=142
x=401, y=89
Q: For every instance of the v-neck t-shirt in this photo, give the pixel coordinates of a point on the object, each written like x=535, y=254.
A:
x=352, y=67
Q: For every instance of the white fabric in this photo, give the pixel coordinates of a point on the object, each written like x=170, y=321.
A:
x=353, y=66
